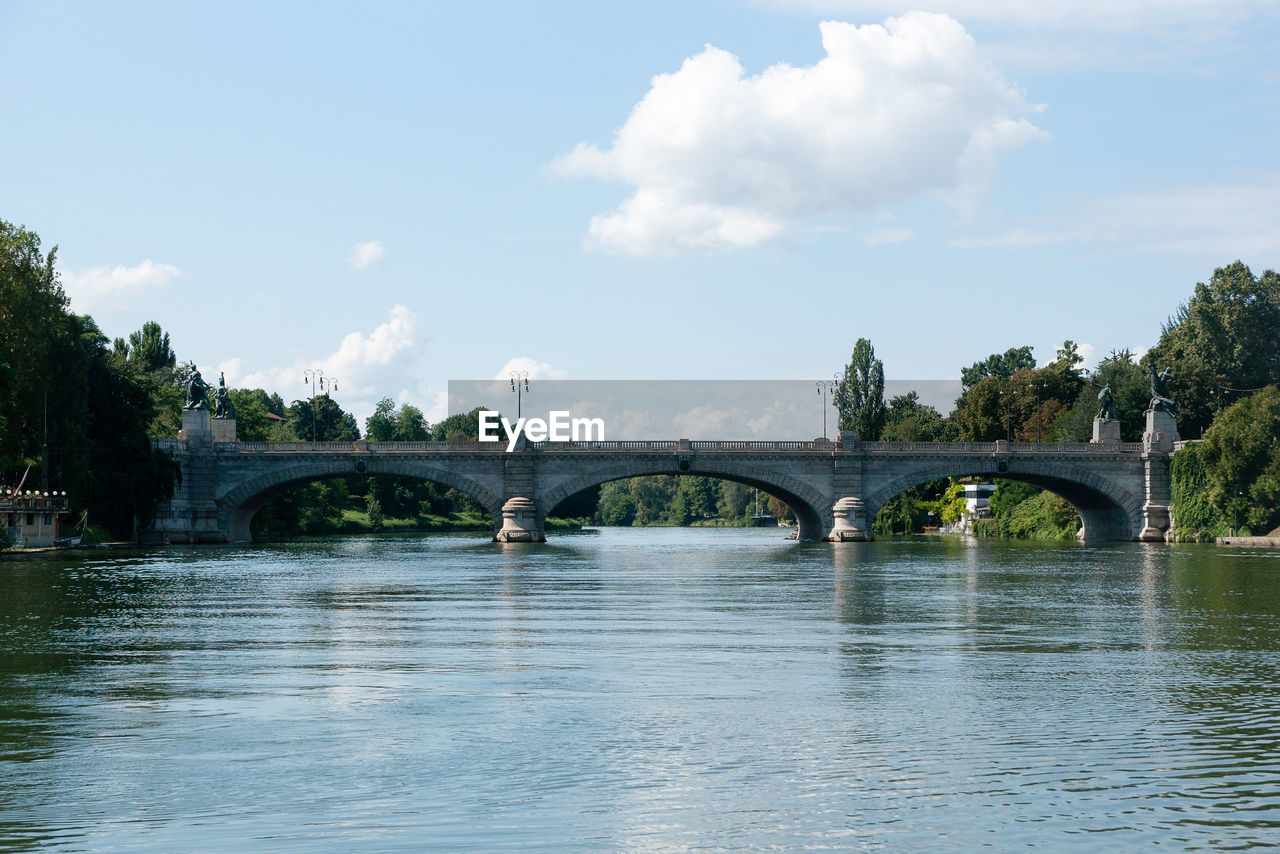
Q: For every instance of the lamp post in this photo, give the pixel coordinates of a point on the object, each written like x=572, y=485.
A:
x=315, y=378
x=825, y=388
x=519, y=385
x=1039, y=389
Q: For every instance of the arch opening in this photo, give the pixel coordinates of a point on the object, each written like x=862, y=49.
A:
x=242, y=504
x=809, y=510
x=1105, y=511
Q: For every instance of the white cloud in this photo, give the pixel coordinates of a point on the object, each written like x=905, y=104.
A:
x=366, y=368
x=98, y=286
x=720, y=159
x=537, y=370
x=1214, y=222
x=1078, y=15
x=365, y=255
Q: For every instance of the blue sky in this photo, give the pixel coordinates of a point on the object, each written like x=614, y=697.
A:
x=402, y=194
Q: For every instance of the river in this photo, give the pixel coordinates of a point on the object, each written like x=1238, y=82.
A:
x=640, y=690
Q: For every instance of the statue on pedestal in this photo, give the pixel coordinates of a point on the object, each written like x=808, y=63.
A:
x=222, y=406
x=197, y=389
x=1106, y=403
x=1161, y=401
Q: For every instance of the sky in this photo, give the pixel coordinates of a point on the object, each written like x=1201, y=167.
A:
x=401, y=194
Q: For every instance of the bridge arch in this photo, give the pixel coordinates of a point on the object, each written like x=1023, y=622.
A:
x=239, y=504
x=1107, y=510
x=812, y=508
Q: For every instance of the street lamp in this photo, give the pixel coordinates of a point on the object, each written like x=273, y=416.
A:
x=519, y=385
x=825, y=388
x=315, y=378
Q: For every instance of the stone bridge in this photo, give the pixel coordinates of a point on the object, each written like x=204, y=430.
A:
x=1120, y=490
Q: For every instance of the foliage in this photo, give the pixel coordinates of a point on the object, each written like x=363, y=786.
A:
x=683, y=500
x=1194, y=517
x=387, y=424
x=1226, y=337
x=374, y=509
x=909, y=420
x=68, y=403
x=981, y=414
x=908, y=511
x=322, y=419
x=1023, y=406
x=998, y=365
x=1024, y=511
x=463, y=427
x=1130, y=395
x=1241, y=454
x=859, y=396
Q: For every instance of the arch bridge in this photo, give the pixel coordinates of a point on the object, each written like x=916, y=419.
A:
x=1120, y=490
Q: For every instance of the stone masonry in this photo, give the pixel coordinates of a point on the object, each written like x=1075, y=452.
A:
x=1120, y=490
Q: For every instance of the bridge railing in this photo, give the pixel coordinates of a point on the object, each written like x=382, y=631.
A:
x=817, y=446
x=1002, y=447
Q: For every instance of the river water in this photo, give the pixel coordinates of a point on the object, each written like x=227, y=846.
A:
x=641, y=690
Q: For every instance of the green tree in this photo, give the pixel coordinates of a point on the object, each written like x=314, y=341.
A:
x=982, y=413
x=374, y=510
x=1241, y=453
x=331, y=423
x=999, y=365
x=909, y=420
x=387, y=424
x=859, y=395
x=1225, y=337
x=149, y=348
x=253, y=422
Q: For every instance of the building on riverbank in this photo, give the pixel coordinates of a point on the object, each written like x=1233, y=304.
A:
x=33, y=519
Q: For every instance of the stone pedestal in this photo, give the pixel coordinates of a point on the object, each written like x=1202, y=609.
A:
x=1157, y=447
x=224, y=429
x=1106, y=430
x=1161, y=432
x=520, y=523
x=850, y=521
x=196, y=425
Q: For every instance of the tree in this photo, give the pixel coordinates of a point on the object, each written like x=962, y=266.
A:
x=909, y=420
x=1241, y=453
x=981, y=414
x=1225, y=338
x=859, y=395
x=149, y=347
x=386, y=424
x=1000, y=365
x=331, y=423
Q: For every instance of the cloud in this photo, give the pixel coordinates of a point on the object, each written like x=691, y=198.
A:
x=1213, y=222
x=537, y=370
x=1078, y=15
x=722, y=160
x=98, y=286
x=365, y=255
x=366, y=368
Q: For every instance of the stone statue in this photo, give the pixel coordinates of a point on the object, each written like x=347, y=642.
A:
x=222, y=405
x=1106, y=403
x=1161, y=401
x=197, y=389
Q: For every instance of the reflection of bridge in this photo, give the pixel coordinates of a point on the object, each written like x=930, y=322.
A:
x=1121, y=491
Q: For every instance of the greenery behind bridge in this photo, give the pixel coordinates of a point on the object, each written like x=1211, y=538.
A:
x=77, y=409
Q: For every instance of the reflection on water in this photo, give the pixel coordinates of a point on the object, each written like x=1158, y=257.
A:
x=641, y=689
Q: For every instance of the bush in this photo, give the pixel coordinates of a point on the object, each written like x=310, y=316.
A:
x=1194, y=518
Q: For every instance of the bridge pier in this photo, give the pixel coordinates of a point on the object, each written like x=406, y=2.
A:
x=520, y=522
x=850, y=522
